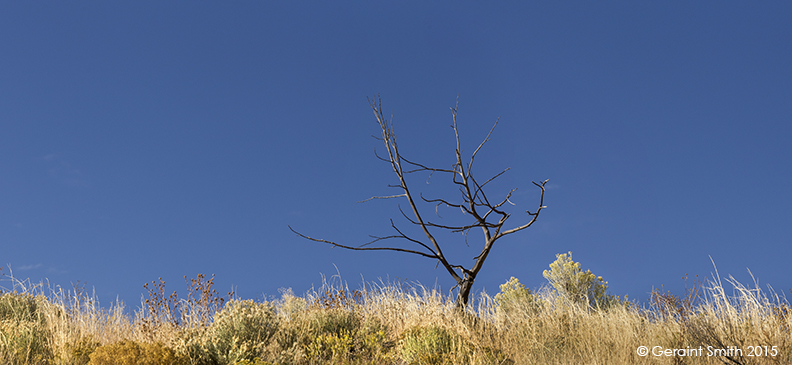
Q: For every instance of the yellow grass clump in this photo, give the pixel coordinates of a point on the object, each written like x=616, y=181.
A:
x=393, y=323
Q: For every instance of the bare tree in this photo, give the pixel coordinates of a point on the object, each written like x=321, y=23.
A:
x=484, y=214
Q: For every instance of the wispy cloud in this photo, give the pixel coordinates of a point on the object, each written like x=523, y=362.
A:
x=63, y=172
x=30, y=267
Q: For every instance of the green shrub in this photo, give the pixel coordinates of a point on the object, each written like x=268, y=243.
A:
x=578, y=286
x=24, y=342
x=515, y=297
x=290, y=306
x=20, y=307
x=372, y=343
x=197, y=345
x=429, y=345
x=335, y=335
x=333, y=321
x=318, y=328
x=24, y=337
x=349, y=340
x=331, y=346
x=240, y=331
x=304, y=328
x=132, y=353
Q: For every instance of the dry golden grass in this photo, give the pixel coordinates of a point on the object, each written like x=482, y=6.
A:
x=396, y=324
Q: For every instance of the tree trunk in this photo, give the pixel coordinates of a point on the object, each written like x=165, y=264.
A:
x=464, y=292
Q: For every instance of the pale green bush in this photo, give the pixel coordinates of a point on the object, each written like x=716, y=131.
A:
x=196, y=343
x=514, y=298
x=24, y=336
x=431, y=346
x=365, y=342
x=20, y=307
x=577, y=286
x=289, y=306
x=24, y=342
x=241, y=330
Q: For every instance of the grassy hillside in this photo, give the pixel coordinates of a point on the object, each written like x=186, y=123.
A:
x=573, y=320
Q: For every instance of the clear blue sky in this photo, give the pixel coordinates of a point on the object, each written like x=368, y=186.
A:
x=160, y=139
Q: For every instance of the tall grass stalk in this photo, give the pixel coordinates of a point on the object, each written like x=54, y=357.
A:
x=392, y=323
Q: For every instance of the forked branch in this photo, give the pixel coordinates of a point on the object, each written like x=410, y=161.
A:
x=474, y=204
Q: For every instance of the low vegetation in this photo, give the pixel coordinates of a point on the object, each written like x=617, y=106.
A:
x=572, y=320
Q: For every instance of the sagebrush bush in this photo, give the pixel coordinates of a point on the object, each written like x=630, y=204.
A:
x=291, y=306
x=331, y=347
x=577, y=286
x=128, y=352
x=515, y=298
x=302, y=329
x=24, y=342
x=322, y=333
x=402, y=324
x=333, y=321
x=196, y=343
x=365, y=343
x=24, y=335
x=241, y=330
x=431, y=346
x=20, y=307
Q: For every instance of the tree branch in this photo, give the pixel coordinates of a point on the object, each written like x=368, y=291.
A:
x=364, y=248
x=474, y=200
x=533, y=215
x=389, y=139
x=473, y=156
